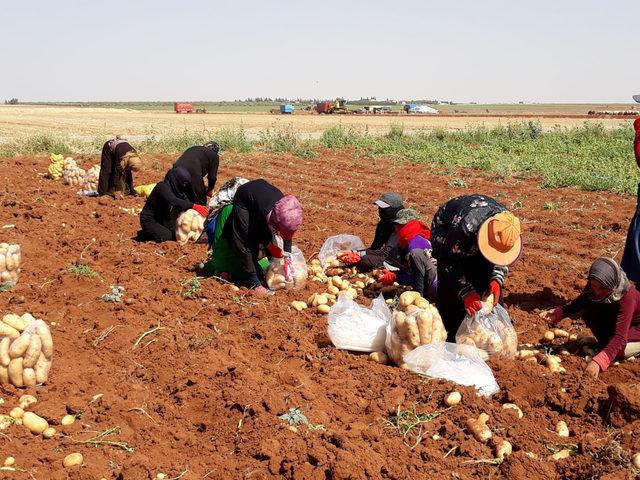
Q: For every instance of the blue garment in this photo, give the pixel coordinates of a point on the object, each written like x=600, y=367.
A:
x=631, y=257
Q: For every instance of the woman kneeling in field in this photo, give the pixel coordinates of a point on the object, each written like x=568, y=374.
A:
x=610, y=307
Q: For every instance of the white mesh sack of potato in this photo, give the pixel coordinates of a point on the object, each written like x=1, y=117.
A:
x=357, y=328
x=275, y=276
x=490, y=330
x=10, y=258
x=189, y=226
x=72, y=174
x=335, y=244
x=26, y=350
x=90, y=181
x=412, y=326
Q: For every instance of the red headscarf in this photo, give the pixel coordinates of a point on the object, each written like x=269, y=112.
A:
x=411, y=229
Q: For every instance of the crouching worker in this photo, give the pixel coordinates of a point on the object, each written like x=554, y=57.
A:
x=610, y=307
x=119, y=160
x=475, y=239
x=415, y=266
x=385, y=241
x=200, y=162
x=167, y=201
x=247, y=226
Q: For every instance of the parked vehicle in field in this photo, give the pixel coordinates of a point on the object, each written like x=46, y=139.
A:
x=187, y=107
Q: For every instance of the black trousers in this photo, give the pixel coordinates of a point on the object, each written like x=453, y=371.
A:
x=450, y=305
x=152, y=231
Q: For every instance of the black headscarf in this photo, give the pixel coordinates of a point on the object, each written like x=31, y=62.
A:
x=385, y=227
x=611, y=276
x=179, y=180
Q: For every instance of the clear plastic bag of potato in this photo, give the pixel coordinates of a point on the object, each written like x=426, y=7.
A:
x=338, y=243
x=458, y=363
x=26, y=350
x=490, y=330
x=412, y=328
x=357, y=328
x=275, y=275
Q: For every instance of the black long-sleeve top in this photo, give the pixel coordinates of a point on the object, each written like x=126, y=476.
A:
x=454, y=237
x=164, y=207
x=200, y=161
x=112, y=177
x=247, y=227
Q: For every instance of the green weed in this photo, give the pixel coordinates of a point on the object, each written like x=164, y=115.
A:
x=82, y=270
x=191, y=287
x=409, y=424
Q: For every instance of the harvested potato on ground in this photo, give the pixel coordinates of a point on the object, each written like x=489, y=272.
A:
x=452, y=398
x=548, y=336
x=25, y=401
x=34, y=423
x=503, y=450
x=324, y=309
x=298, y=306
x=562, y=429
x=561, y=455
x=379, y=357
x=73, y=460
x=635, y=460
x=553, y=363
x=9, y=462
x=49, y=432
x=68, y=420
x=479, y=428
x=514, y=407
x=558, y=332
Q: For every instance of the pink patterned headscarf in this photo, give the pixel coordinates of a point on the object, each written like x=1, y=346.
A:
x=286, y=216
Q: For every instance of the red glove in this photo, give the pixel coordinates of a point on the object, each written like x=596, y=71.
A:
x=349, y=258
x=472, y=303
x=274, y=250
x=201, y=209
x=386, y=277
x=496, y=290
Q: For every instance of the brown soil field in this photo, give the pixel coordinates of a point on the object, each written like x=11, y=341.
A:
x=17, y=121
x=201, y=397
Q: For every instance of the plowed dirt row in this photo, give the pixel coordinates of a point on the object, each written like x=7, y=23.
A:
x=202, y=395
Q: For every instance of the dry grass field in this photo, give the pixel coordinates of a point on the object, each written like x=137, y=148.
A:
x=17, y=121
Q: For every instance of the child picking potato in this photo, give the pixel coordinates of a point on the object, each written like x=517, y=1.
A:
x=610, y=307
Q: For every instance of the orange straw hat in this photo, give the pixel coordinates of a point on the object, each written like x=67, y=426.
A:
x=499, y=239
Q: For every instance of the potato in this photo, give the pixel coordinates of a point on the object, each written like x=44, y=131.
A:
x=636, y=460
x=479, y=429
x=34, y=423
x=562, y=429
x=4, y=375
x=513, y=406
x=421, y=302
x=25, y=401
x=15, y=372
x=15, y=321
x=19, y=346
x=425, y=327
x=407, y=298
x=558, y=332
x=49, y=432
x=549, y=336
x=29, y=377
x=333, y=290
x=324, y=308
x=33, y=352
x=452, y=398
x=8, y=331
x=561, y=455
x=9, y=462
x=504, y=449
x=553, y=363
x=379, y=357
x=47, y=342
x=73, y=460
x=319, y=300
x=42, y=369
x=413, y=334
x=16, y=412
x=298, y=306
x=4, y=352
x=68, y=420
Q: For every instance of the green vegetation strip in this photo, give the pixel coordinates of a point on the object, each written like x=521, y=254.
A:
x=588, y=157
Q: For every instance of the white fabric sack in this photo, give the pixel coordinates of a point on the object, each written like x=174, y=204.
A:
x=357, y=328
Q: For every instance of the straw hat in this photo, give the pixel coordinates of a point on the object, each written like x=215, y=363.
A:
x=499, y=238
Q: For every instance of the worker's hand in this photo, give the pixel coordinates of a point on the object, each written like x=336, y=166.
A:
x=593, y=369
x=274, y=250
x=472, y=303
x=349, y=257
x=261, y=291
x=553, y=315
x=201, y=209
x=386, y=277
x=494, y=289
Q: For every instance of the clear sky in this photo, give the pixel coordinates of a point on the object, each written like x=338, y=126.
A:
x=461, y=50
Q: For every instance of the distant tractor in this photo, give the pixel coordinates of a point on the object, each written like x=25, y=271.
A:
x=338, y=106
x=187, y=107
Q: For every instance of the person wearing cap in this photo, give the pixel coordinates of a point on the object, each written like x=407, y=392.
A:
x=385, y=239
x=119, y=159
x=260, y=211
x=610, y=307
x=167, y=201
x=416, y=267
x=201, y=161
x=631, y=257
x=474, y=239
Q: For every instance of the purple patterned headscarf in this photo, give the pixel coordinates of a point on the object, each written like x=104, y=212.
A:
x=286, y=216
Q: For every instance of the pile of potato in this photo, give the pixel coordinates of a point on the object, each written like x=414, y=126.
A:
x=415, y=322
x=490, y=337
x=56, y=166
x=26, y=350
x=189, y=226
x=72, y=174
x=91, y=179
x=10, y=258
